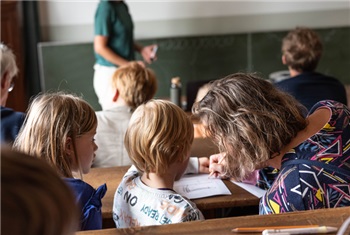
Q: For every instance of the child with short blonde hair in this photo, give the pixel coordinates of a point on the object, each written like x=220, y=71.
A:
x=60, y=129
x=158, y=140
x=134, y=85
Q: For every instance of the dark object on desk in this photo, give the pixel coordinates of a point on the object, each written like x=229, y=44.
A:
x=191, y=91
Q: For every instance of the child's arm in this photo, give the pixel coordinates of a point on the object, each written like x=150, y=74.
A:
x=197, y=165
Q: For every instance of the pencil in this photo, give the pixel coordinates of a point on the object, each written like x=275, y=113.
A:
x=321, y=229
x=260, y=229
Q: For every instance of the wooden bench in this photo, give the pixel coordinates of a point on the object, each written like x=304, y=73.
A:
x=223, y=226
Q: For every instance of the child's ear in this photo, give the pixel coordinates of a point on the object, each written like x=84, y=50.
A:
x=116, y=96
x=69, y=146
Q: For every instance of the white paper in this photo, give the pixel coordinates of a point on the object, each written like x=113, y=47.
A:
x=258, y=192
x=199, y=186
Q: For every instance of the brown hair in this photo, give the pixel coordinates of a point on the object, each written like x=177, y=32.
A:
x=249, y=119
x=51, y=119
x=302, y=49
x=135, y=83
x=159, y=134
x=34, y=199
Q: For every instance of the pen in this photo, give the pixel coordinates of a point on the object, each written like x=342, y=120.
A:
x=260, y=229
x=321, y=229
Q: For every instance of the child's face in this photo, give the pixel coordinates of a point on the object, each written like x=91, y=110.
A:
x=86, y=148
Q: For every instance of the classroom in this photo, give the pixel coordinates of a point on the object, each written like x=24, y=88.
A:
x=54, y=43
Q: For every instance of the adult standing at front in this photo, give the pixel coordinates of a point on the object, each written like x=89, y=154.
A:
x=114, y=46
x=256, y=125
x=301, y=52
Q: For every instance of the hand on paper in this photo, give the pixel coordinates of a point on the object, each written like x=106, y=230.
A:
x=203, y=165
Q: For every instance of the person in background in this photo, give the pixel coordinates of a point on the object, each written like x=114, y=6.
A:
x=301, y=52
x=60, y=129
x=158, y=140
x=199, y=131
x=114, y=46
x=257, y=125
x=11, y=121
x=34, y=199
x=133, y=85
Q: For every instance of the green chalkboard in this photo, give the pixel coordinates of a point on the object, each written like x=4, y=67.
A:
x=70, y=66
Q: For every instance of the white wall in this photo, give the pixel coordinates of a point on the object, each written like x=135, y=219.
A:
x=73, y=20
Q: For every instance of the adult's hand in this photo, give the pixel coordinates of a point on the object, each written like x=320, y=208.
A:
x=148, y=53
x=217, y=165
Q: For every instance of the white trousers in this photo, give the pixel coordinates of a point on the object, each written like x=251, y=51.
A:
x=103, y=85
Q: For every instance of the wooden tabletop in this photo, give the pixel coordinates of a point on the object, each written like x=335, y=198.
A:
x=113, y=175
x=322, y=217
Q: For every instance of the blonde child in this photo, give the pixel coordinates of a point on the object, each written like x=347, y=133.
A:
x=34, y=199
x=60, y=129
x=134, y=85
x=158, y=141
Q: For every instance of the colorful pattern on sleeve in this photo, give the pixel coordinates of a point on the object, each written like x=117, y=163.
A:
x=309, y=186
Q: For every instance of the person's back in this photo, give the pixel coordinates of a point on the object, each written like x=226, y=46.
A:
x=133, y=85
x=11, y=121
x=60, y=129
x=302, y=50
x=158, y=140
x=311, y=87
x=315, y=174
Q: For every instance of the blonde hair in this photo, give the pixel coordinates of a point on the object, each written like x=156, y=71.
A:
x=8, y=61
x=34, y=199
x=302, y=49
x=249, y=119
x=159, y=134
x=135, y=83
x=51, y=119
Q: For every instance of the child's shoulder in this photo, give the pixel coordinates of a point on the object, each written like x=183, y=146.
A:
x=83, y=189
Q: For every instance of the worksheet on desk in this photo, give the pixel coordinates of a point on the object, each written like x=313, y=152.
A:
x=199, y=186
x=258, y=192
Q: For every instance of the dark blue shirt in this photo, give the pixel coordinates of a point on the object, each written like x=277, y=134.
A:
x=311, y=87
x=89, y=201
x=11, y=123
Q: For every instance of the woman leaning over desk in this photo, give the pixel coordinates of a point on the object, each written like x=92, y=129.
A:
x=114, y=46
x=255, y=125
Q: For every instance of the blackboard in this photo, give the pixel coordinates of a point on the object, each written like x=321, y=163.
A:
x=70, y=66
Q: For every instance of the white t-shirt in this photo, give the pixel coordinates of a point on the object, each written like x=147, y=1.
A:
x=111, y=127
x=136, y=204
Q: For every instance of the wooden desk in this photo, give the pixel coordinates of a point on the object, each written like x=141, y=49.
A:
x=113, y=175
x=327, y=217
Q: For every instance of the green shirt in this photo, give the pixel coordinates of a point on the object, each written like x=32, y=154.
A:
x=112, y=19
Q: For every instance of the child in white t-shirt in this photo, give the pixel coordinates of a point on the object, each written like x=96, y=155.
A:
x=158, y=141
